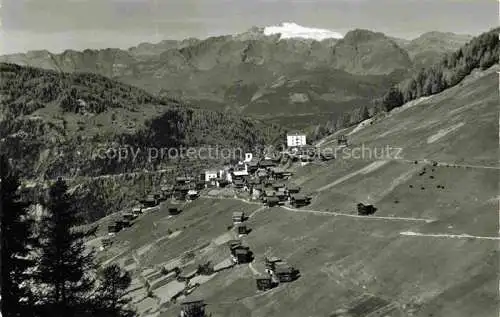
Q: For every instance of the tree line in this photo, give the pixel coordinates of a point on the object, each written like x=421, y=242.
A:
x=46, y=268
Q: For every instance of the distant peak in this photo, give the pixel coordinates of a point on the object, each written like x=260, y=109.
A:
x=363, y=35
x=289, y=30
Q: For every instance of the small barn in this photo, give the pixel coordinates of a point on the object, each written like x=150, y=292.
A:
x=365, y=210
x=293, y=189
x=129, y=216
x=192, y=194
x=285, y=272
x=234, y=244
x=106, y=242
x=150, y=201
x=238, y=217
x=137, y=211
x=270, y=263
x=299, y=200
x=124, y=223
x=241, y=228
x=241, y=255
x=264, y=283
x=239, y=183
x=174, y=210
x=272, y=201
x=193, y=308
x=342, y=140
x=183, y=180
x=114, y=228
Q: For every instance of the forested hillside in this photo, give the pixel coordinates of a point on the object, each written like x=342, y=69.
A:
x=481, y=52
x=53, y=123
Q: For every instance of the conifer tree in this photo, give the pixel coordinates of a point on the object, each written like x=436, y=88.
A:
x=16, y=244
x=110, y=300
x=65, y=266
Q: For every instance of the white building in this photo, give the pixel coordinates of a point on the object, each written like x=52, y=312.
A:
x=295, y=139
x=248, y=157
x=209, y=175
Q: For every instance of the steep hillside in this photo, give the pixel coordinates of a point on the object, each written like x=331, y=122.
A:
x=44, y=114
x=429, y=48
x=431, y=248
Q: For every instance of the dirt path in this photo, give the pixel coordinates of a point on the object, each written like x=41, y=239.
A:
x=365, y=170
x=444, y=235
x=256, y=211
x=334, y=214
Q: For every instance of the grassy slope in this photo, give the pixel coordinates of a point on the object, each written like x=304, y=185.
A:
x=343, y=258
x=352, y=267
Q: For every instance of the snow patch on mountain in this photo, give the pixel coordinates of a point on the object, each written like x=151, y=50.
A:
x=289, y=30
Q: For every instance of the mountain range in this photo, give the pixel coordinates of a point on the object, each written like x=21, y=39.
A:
x=293, y=77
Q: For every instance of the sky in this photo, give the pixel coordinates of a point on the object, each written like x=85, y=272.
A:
x=57, y=25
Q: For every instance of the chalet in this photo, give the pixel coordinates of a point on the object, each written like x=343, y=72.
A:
x=183, y=180
x=284, y=272
x=192, y=195
x=106, y=242
x=166, y=191
x=270, y=263
x=252, y=166
x=299, y=200
x=181, y=191
x=137, y=211
x=264, y=283
x=234, y=244
x=167, y=188
x=239, y=183
x=123, y=223
x=365, y=210
x=256, y=191
x=179, y=195
x=193, y=308
x=277, y=186
x=266, y=164
x=241, y=228
x=269, y=193
x=342, y=140
x=238, y=217
x=281, y=195
x=220, y=182
x=209, y=175
x=187, y=274
x=293, y=189
x=199, y=185
x=114, y=228
x=272, y=201
x=241, y=255
x=150, y=201
x=174, y=210
x=129, y=216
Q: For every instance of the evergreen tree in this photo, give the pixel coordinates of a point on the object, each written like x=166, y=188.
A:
x=16, y=244
x=110, y=300
x=365, y=114
x=65, y=266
